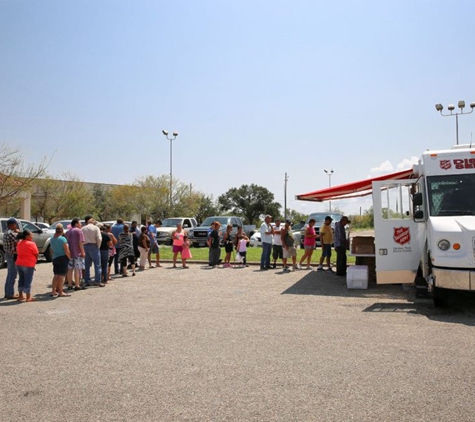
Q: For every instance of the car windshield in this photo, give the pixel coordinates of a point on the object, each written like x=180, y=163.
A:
x=171, y=222
x=451, y=195
x=222, y=220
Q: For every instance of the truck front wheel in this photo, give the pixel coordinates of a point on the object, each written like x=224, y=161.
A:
x=441, y=297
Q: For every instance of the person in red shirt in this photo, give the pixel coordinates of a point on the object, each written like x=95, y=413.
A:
x=27, y=255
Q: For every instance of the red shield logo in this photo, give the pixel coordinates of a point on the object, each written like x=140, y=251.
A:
x=445, y=164
x=402, y=235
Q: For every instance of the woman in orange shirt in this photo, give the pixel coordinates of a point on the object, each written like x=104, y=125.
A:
x=25, y=264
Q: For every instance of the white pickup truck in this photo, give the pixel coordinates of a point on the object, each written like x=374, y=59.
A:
x=164, y=233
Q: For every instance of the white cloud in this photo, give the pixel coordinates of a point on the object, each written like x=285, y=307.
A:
x=407, y=163
x=384, y=167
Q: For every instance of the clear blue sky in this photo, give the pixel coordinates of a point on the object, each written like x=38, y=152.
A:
x=254, y=88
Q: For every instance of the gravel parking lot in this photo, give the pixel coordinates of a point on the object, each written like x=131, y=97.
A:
x=235, y=345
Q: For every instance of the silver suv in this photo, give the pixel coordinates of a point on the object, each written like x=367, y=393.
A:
x=40, y=237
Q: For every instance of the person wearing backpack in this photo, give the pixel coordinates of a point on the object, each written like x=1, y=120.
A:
x=288, y=245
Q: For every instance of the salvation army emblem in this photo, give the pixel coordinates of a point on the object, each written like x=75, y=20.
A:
x=445, y=164
x=402, y=235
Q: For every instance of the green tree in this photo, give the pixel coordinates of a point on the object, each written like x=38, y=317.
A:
x=124, y=200
x=249, y=201
x=153, y=197
x=102, y=208
x=54, y=199
x=16, y=178
x=295, y=216
x=364, y=221
x=206, y=207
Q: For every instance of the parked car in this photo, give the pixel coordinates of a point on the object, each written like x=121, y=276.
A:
x=40, y=237
x=199, y=235
x=164, y=233
x=319, y=221
x=256, y=241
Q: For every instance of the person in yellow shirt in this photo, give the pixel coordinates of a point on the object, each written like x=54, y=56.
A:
x=326, y=239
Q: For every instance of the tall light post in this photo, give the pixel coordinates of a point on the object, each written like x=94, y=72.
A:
x=174, y=135
x=286, y=178
x=451, y=108
x=329, y=174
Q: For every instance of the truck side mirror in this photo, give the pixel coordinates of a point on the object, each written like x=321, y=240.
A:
x=419, y=215
x=417, y=199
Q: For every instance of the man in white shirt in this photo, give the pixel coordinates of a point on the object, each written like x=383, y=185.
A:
x=266, y=236
x=277, y=251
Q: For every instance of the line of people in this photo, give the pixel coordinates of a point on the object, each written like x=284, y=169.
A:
x=282, y=243
x=75, y=251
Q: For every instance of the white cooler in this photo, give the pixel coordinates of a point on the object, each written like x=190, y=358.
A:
x=357, y=277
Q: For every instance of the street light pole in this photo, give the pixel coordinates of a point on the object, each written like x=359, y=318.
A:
x=286, y=178
x=451, y=108
x=174, y=135
x=329, y=174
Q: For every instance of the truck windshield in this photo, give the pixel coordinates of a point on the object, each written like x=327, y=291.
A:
x=222, y=220
x=171, y=222
x=451, y=195
x=320, y=217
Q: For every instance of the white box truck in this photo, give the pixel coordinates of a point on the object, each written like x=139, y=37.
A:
x=424, y=221
x=425, y=227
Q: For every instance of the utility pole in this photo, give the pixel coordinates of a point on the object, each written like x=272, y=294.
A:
x=286, y=178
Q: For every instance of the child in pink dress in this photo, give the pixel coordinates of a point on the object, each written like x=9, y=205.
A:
x=185, y=253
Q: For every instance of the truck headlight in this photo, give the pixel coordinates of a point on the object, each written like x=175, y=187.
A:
x=190, y=233
x=443, y=244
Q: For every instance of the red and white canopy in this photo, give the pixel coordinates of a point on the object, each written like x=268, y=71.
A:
x=352, y=190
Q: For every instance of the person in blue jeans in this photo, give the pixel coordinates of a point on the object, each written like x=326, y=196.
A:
x=9, y=247
x=267, y=232
x=26, y=261
x=92, y=243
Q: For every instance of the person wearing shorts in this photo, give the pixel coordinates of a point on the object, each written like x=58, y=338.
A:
x=61, y=255
x=154, y=248
x=178, y=237
x=309, y=243
x=76, y=264
x=326, y=239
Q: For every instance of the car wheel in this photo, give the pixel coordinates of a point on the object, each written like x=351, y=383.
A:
x=2, y=259
x=48, y=254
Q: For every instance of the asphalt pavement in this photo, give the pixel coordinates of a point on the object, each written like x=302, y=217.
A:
x=235, y=344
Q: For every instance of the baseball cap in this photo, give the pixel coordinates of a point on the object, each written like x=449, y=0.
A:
x=12, y=221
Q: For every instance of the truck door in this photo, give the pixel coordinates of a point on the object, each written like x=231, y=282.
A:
x=399, y=240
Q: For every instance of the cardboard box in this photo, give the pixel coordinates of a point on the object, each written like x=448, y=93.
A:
x=362, y=245
x=357, y=277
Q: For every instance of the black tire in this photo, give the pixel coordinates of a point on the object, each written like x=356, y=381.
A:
x=441, y=297
x=3, y=263
x=48, y=254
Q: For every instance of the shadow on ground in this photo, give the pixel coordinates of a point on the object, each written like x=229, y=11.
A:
x=403, y=300
x=321, y=283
